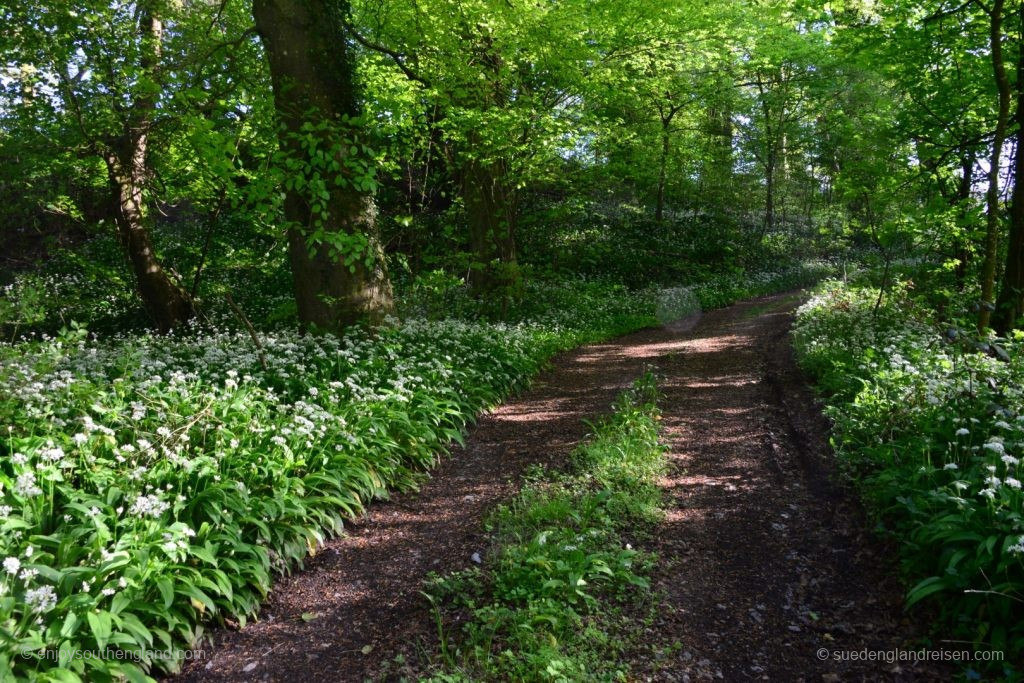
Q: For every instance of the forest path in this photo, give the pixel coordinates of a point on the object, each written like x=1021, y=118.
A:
x=768, y=568
x=763, y=561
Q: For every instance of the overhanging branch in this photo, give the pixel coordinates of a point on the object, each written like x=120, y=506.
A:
x=397, y=57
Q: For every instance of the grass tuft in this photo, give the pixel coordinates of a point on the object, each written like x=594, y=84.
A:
x=552, y=599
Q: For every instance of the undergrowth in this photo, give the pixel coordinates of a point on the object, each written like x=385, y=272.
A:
x=929, y=425
x=153, y=486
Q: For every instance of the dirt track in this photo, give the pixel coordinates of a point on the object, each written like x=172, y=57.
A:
x=768, y=569
x=764, y=561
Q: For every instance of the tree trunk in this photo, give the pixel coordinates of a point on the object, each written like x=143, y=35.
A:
x=963, y=252
x=491, y=213
x=489, y=198
x=769, y=202
x=127, y=171
x=312, y=73
x=783, y=181
x=988, y=268
x=1010, y=305
x=770, y=159
x=666, y=142
x=165, y=302
x=721, y=142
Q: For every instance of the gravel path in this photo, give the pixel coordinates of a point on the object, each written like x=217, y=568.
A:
x=764, y=561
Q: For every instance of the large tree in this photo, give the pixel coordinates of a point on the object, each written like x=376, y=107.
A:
x=111, y=94
x=498, y=80
x=126, y=155
x=100, y=83
x=333, y=239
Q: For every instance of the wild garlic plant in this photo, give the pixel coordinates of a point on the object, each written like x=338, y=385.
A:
x=929, y=422
x=150, y=486
x=153, y=484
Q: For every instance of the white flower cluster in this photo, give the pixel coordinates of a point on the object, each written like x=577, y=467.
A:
x=149, y=506
x=903, y=378
x=676, y=303
x=41, y=599
x=114, y=436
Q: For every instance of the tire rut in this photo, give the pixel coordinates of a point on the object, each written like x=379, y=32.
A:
x=765, y=559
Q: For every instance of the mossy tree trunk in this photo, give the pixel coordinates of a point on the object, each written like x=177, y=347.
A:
x=491, y=213
x=1010, y=305
x=991, y=251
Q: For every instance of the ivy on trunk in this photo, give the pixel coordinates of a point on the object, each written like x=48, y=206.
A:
x=334, y=244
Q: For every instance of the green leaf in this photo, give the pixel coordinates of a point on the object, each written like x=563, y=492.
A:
x=70, y=625
x=166, y=588
x=61, y=676
x=200, y=600
x=101, y=625
x=930, y=586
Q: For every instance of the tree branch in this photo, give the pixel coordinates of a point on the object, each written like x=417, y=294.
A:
x=942, y=14
x=397, y=57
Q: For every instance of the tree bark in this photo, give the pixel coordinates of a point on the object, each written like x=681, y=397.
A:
x=988, y=268
x=127, y=172
x=784, y=178
x=491, y=213
x=770, y=158
x=312, y=73
x=1010, y=305
x=720, y=129
x=489, y=198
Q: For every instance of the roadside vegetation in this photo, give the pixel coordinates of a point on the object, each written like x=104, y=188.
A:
x=157, y=483
x=928, y=422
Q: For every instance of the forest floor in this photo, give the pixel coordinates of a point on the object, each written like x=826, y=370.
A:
x=766, y=566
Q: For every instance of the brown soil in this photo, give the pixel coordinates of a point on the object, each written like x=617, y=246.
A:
x=763, y=560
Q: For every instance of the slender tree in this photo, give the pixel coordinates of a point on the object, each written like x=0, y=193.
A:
x=126, y=83
x=992, y=221
x=129, y=172
x=1010, y=305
